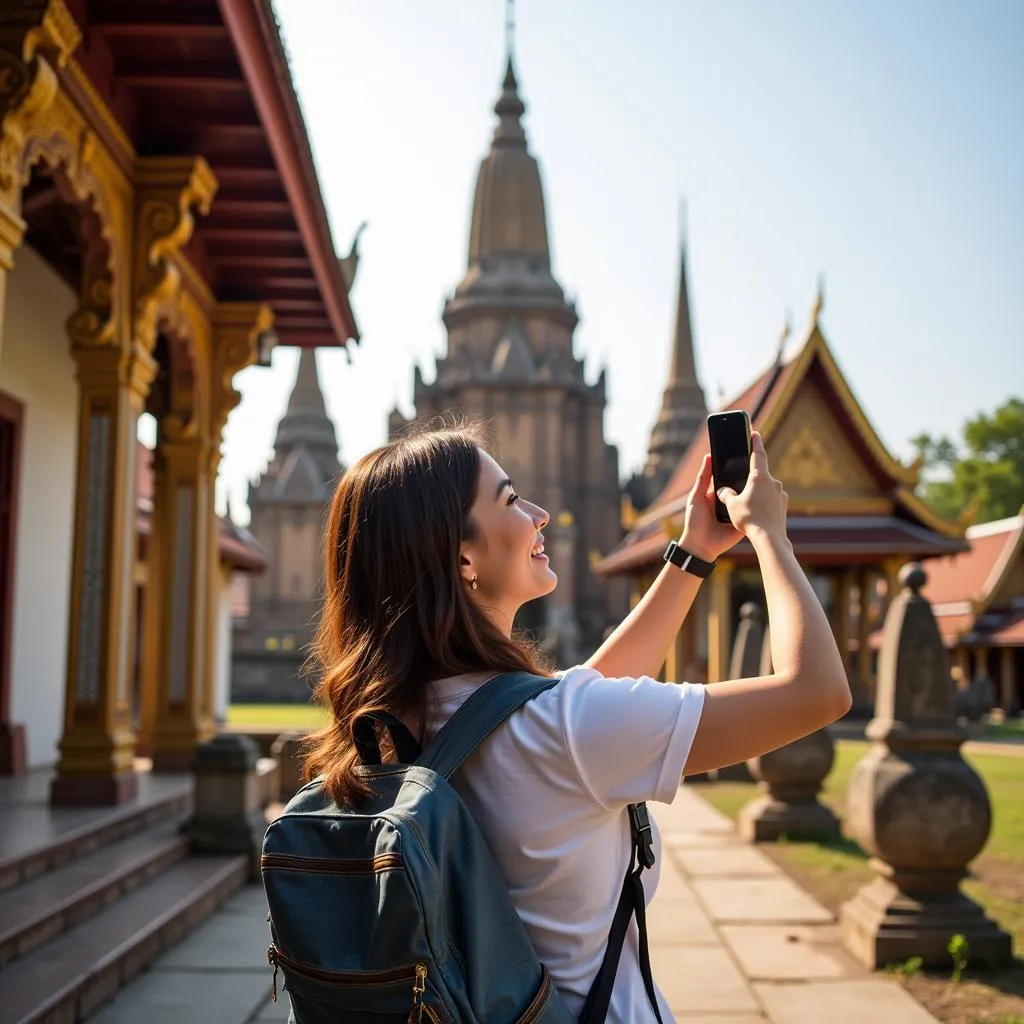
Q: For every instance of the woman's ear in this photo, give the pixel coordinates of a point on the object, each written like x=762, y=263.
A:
x=466, y=569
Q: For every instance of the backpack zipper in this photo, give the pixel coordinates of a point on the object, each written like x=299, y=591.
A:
x=540, y=1000
x=287, y=862
x=417, y=973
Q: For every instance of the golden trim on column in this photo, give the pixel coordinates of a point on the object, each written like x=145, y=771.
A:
x=12, y=231
x=720, y=621
x=237, y=327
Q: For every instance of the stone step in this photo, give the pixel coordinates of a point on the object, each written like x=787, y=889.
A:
x=36, y=839
x=67, y=979
x=48, y=905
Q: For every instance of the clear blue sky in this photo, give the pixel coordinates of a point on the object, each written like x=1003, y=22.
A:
x=881, y=143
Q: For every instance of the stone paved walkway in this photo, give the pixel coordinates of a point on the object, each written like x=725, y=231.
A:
x=736, y=941
x=733, y=941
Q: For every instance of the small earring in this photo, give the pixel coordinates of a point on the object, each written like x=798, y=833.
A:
x=472, y=583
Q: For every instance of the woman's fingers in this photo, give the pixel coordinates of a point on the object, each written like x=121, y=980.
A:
x=700, y=485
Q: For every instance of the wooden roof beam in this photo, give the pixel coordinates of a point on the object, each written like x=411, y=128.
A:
x=218, y=78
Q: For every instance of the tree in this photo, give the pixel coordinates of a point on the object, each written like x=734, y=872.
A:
x=985, y=474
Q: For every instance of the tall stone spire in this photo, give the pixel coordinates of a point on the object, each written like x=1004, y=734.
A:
x=683, y=407
x=305, y=424
x=509, y=251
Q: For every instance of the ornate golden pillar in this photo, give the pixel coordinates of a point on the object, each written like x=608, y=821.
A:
x=167, y=189
x=720, y=622
x=97, y=746
x=183, y=497
x=237, y=327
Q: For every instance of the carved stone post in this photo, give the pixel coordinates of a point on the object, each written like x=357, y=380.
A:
x=746, y=662
x=287, y=750
x=916, y=805
x=792, y=777
x=229, y=817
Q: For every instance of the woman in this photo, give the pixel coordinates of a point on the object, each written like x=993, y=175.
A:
x=429, y=554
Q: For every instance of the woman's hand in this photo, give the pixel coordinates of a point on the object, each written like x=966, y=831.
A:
x=703, y=535
x=761, y=505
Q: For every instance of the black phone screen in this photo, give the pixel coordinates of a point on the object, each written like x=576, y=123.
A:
x=729, y=434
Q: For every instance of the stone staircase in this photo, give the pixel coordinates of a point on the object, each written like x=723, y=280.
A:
x=89, y=904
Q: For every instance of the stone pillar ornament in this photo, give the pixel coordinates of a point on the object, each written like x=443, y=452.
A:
x=745, y=663
x=229, y=817
x=792, y=778
x=915, y=805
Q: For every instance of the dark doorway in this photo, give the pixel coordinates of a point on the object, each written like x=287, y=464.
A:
x=12, y=738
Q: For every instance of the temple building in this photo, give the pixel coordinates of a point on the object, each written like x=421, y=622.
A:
x=288, y=506
x=978, y=599
x=854, y=518
x=510, y=363
x=161, y=227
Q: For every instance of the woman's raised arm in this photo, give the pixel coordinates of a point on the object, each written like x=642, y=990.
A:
x=808, y=688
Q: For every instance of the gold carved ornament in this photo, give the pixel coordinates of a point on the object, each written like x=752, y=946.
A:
x=35, y=35
x=806, y=463
x=167, y=190
x=236, y=330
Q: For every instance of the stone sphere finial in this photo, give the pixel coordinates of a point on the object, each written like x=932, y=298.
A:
x=752, y=611
x=912, y=575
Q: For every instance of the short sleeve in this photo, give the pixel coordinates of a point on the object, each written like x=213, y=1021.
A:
x=628, y=738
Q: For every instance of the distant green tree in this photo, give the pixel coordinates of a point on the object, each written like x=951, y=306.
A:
x=985, y=473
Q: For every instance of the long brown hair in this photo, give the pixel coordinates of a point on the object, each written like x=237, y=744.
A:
x=396, y=613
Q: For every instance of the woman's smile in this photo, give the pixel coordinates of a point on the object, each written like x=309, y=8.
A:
x=538, y=550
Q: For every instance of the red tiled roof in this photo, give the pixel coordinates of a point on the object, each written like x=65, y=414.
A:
x=968, y=575
x=1002, y=628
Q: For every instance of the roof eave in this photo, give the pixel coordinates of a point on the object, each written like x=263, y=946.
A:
x=258, y=46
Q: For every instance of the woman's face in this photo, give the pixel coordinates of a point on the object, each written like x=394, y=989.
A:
x=506, y=556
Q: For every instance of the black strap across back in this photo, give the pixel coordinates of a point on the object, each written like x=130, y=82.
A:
x=488, y=707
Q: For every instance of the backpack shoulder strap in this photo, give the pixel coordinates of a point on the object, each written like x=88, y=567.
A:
x=493, y=703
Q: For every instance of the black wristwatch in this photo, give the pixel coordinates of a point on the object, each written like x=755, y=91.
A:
x=682, y=558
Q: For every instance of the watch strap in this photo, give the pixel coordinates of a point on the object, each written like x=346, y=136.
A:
x=682, y=559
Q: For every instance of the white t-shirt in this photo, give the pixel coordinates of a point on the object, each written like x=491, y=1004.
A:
x=548, y=790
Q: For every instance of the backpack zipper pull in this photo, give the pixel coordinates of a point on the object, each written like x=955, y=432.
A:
x=272, y=960
x=419, y=986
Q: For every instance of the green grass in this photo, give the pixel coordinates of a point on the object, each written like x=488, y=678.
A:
x=276, y=716
x=1003, y=776
x=835, y=870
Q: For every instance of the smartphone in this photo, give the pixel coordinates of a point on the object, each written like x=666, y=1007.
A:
x=729, y=434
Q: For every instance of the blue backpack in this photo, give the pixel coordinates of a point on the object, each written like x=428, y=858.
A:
x=395, y=912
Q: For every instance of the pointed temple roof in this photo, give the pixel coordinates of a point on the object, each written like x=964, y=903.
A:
x=305, y=459
x=899, y=523
x=683, y=407
x=509, y=252
x=305, y=421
